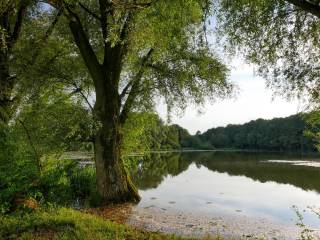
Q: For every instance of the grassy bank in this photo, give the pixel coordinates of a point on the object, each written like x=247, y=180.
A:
x=64, y=223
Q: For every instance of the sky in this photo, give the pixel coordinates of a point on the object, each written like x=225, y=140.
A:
x=253, y=101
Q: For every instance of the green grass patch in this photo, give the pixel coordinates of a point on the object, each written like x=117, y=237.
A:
x=65, y=223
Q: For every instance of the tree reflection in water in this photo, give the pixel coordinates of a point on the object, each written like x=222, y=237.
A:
x=151, y=170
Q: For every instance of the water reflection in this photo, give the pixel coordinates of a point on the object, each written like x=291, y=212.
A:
x=229, y=183
x=153, y=169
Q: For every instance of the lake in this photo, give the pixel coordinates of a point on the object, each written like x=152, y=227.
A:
x=228, y=193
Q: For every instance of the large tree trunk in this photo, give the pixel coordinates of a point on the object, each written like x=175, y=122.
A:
x=113, y=181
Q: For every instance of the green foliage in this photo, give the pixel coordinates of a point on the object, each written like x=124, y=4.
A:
x=19, y=172
x=56, y=181
x=166, y=137
x=137, y=130
x=63, y=223
x=279, y=134
x=146, y=132
x=54, y=122
x=280, y=38
x=182, y=68
x=54, y=107
x=313, y=126
x=63, y=182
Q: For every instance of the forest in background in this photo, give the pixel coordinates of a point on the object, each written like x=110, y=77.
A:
x=294, y=133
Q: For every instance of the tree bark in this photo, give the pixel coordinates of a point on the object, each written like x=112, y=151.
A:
x=113, y=181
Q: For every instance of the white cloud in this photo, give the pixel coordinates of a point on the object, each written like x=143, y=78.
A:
x=254, y=101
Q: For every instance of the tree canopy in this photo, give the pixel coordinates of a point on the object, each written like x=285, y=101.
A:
x=110, y=62
x=280, y=37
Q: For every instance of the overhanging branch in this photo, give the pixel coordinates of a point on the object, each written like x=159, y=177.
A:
x=307, y=6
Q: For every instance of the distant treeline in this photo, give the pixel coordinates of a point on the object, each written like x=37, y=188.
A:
x=279, y=134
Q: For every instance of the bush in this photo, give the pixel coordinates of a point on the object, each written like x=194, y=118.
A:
x=57, y=181
x=19, y=173
x=65, y=182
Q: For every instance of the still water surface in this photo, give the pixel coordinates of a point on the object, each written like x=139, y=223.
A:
x=261, y=186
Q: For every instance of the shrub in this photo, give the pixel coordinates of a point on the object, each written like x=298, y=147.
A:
x=19, y=173
x=65, y=182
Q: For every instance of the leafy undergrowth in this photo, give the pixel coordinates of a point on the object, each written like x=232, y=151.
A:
x=64, y=223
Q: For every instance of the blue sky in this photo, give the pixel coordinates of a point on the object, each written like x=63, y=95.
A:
x=253, y=101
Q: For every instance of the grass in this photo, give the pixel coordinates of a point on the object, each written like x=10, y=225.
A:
x=64, y=223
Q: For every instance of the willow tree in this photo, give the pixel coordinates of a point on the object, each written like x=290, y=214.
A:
x=135, y=51
x=281, y=37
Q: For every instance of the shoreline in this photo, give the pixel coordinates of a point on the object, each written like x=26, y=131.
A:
x=198, y=225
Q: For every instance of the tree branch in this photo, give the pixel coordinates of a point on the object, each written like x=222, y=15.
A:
x=96, y=16
x=134, y=89
x=51, y=27
x=79, y=90
x=18, y=25
x=307, y=6
x=80, y=37
x=125, y=28
x=125, y=90
x=104, y=26
x=86, y=50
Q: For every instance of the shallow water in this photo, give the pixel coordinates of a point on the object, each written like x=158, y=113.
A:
x=233, y=193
